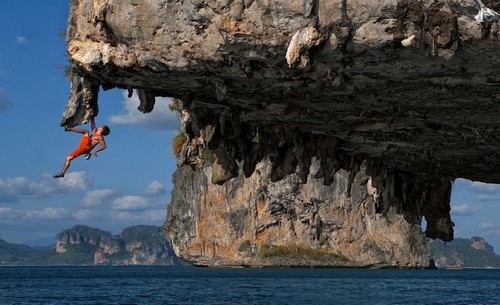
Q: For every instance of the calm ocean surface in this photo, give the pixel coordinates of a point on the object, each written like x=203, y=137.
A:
x=189, y=285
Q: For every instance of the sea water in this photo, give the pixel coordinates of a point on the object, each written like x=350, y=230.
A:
x=190, y=285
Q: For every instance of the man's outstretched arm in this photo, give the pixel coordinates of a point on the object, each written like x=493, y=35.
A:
x=92, y=123
x=78, y=130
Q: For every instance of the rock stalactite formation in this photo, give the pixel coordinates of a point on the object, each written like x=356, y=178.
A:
x=256, y=222
x=407, y=90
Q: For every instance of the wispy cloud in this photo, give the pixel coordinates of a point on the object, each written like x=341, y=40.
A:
x=485, y=188
x=488, y=226
x=161, y=118
x=101, y=208
x=73, y=181
x=131, y=202
x=9, y=213
x=149, y=216
x=489, y=229
x=5, y=102
x=97, y=197
x=13, y=188
x=155, y=188
x=487, y=197
x=480, y=190
x=465, y=210
x=45, y=214
x=21, y=39
x=151, y=198
x=86, y=214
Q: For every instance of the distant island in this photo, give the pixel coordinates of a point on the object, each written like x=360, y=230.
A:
x=464, y=253
x=146, y=245
x=83, y=245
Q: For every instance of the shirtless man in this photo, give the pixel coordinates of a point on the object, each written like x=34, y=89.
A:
x=87, y=143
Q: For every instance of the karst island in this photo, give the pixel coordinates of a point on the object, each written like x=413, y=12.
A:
x=313, y=132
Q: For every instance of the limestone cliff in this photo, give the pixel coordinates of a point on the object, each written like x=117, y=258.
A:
x=406, y=90
x=254, y=221
x=137, y=245
x=469, y=253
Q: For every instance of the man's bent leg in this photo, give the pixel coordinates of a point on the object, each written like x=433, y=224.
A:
x=67, y=163
x=84, y=147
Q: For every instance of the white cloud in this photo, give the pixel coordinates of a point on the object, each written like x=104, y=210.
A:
x=160, y=118
x=489, y=229
x=13, y=188
x=131, y=202
x=85, y=214
x=465, y=210
x=152, y=199
x=5, y=102
x=486, y=197
x=487, y=188
x=8, y=213
x=75, y=181
x=488, y=226
x=97, y=197
x=149, y=216
x=45, y=214
x=101, y=207
x=21, y=39
x=155, y=188
x=484, y=191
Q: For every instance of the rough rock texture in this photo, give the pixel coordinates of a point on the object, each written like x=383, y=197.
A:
x=409, y=87
x=254, y=221
x=138, y=245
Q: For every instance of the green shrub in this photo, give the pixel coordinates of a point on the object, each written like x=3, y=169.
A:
x=169, y=225
x=208, y=156
x=298, y=252
x=175, y=105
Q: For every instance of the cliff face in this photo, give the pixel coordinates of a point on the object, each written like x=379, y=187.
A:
x=404, y=89
x=254, y=221
x=138, y=245
x=411, y=83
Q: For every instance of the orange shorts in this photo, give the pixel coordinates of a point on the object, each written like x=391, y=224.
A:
x=84, y=147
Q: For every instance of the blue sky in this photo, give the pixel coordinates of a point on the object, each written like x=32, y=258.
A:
x=130, y=182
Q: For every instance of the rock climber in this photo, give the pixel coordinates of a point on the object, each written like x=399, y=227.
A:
x=87, y=143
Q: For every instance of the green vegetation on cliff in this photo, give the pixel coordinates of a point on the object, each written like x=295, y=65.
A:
x=19, y=254
x=82, y=245
x=298, y=252
x=146, y=234
x=177, y=142
x=461, y=252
